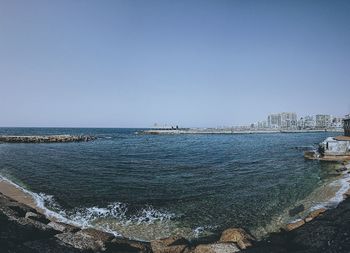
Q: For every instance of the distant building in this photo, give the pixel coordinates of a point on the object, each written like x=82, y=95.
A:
x=309, y=122
x=274, y=121
x=323, y=121
x=337, y=122
x=282, y=120
x=288, y=120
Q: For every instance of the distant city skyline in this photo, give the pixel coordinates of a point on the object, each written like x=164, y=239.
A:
x=188, y=63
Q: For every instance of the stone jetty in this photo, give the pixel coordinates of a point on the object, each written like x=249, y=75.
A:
x=44, y=138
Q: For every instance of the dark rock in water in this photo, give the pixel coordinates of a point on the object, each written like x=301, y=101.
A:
x=341, y=169
x=296, y=210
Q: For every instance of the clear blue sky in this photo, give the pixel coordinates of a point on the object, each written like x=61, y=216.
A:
x=191, y=63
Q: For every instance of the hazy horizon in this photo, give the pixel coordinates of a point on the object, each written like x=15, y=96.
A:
x=187, y=63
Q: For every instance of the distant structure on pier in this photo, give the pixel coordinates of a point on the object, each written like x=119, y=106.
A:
x=347, y=125
x=333, y=148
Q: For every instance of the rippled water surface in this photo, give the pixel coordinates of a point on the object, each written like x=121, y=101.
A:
x=149, y=186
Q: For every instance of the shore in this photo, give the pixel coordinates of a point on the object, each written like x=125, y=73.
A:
x=231, y=131
x=20, y=213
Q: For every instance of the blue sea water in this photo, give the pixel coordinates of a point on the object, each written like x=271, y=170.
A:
x=151, y=186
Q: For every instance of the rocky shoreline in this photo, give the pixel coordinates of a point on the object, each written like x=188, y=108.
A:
x=45, y=138
x=24, y=228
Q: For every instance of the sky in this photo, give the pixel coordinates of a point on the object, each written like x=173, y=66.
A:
x=83, y=63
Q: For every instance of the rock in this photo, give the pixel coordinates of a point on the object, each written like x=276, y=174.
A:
x=308, y=219
x=20, y=209
x=63, y=227
x=80, y=241
x=37, y=225
x=37, y=217
x=347, y=194
x=237, y=235
x=316, y=213
x=86, y=239
x=296, y=210
x=216, y=248
x=45, y=138
x=341, y=169
x=97, y=235
x=49, y=246
x=123, y=245
x=169, y=245
x=294, y=225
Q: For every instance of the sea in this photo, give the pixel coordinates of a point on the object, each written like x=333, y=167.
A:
x=152, y=186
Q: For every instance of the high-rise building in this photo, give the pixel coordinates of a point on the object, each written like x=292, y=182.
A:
x=337, y=122
x=282, y=120
x=288, y=120
x=323, y=120
x=309, y=122
x=274, y=121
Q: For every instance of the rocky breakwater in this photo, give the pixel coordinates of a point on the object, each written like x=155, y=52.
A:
x=44, y=138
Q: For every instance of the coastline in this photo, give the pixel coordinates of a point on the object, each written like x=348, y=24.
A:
x=23, y=196
x=230, y=131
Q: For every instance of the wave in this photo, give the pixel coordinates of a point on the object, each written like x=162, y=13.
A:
x=344, y=186
x=95, y=216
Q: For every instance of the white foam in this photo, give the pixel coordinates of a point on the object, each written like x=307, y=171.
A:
x=339, y=196
x=86, y=217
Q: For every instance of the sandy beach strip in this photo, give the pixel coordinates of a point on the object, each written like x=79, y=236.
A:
x=15, y=192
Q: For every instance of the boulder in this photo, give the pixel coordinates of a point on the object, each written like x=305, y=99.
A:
x=86, y=239
x=34, y=224
x=63, y=227
x=308, y=219
x=316, y=213
x=37, y=217
x=48, y=246
x=237, y=235
x=123, y=245
x=80, y=241
x=294, y=225
x=347, y=194
x=216, y=248
x=97, y=235
x=170, y=245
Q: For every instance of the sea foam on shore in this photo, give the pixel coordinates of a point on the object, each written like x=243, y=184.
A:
x=114, y=219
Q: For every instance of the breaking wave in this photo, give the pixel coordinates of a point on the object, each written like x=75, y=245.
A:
x=104, y=218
